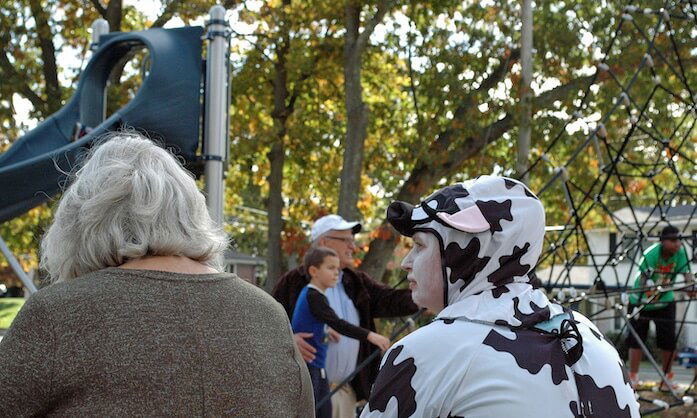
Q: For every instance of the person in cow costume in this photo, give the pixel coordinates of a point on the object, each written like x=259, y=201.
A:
x=497, y=347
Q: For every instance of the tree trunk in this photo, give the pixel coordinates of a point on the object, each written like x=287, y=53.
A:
x=114, y=15
x=48, y=57
x=380, y=251
x=9, y=74
x=274, y=254
x=356, y=116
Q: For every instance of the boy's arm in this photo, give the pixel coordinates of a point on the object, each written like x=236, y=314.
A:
x=386, y=302
x=686, y=270
x=319, y=306
x=684, y=263
x=647, y=264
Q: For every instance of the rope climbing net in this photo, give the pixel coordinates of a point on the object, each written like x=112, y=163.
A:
x=632, y=173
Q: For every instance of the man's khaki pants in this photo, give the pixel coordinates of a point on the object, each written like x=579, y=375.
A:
x=344, y=403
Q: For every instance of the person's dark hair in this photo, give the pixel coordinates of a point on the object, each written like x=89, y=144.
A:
x=315, y=256
x=670, y=232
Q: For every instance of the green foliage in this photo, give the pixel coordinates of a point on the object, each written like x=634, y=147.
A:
x=422, y=78
x=9, y=307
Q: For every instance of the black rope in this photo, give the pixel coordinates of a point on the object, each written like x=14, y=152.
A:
x=655, y=155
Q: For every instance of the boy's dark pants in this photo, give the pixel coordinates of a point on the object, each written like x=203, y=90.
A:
x=320, y=386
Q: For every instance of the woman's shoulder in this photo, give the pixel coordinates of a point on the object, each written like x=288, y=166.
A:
x=253, y=294
x=105, y=282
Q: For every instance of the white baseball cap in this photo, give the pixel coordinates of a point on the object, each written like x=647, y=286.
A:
x=332, y=222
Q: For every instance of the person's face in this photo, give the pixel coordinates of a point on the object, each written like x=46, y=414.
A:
x=342, y=242
x=326, y=274
x=671, y=246
x=425, y=275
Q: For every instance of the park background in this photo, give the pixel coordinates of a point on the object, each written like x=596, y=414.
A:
x=343, y=107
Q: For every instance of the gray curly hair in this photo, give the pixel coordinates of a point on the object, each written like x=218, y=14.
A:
x=130, y=199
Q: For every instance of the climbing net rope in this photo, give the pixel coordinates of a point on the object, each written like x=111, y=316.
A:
x=632, y=173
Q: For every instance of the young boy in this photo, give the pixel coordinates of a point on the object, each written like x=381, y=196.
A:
x=314, y=315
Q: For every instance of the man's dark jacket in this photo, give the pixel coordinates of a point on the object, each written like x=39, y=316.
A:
x=372, y=300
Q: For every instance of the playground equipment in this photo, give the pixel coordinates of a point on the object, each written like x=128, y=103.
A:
x=632, y=148
x=168, y=107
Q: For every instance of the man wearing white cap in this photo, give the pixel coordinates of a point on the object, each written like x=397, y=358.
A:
x=357, y=299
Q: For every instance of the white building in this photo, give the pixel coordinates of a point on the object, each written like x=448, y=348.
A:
x=247, y=267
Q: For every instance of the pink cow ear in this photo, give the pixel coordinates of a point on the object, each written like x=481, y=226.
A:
x=467, y=220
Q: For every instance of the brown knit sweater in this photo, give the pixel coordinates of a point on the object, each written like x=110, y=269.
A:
x=122, y=342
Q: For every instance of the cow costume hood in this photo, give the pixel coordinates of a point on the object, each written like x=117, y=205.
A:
x=490, y=231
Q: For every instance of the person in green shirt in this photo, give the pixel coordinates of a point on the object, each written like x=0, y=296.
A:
x=660, y=265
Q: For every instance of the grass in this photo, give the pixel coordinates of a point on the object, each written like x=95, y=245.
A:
x=8, y=310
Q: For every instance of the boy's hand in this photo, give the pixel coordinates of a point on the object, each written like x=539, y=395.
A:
x=383, y=343
x=307, y=351
x=692, y=290
x=333, y=335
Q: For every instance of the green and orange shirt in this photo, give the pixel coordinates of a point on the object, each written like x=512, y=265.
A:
x=663, y=272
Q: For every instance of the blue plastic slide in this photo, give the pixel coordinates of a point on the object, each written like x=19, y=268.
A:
x=168, y=107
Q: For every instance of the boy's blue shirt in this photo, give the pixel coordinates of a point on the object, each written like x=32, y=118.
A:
x=313, y=314
x=304, y=321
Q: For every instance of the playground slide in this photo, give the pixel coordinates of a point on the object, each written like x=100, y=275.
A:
x=168, y=106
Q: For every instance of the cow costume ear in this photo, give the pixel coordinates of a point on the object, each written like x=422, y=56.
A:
x=399, y=214
x=469, y=220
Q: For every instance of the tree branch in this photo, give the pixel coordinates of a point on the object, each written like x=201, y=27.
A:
x=101, y=9
x=10, y=74
x=254, y=44
x=412, y=86
x=500, y=72
x=548, y=98
x=445, y=161
x=167, y=14
x=362, y=41
x=459, y=120
x=227, y=4
x=48, y=56
x=308, y=72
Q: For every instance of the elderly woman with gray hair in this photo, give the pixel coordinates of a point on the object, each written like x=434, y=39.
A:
x=139, y=320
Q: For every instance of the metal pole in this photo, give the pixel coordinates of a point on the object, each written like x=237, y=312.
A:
x=525, y=91
x=19, y=271
x=216, y=118
x=99, y=27
x=649, y=356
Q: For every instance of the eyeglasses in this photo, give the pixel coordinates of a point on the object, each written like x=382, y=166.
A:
x=347, y=241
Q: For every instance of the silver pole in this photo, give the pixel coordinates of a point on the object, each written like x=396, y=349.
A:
x=216, y=129
x=525, y=91
x=19, y=271
x=649, y=356
x=99, y=27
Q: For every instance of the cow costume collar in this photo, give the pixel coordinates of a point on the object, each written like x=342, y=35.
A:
x=490, y=231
